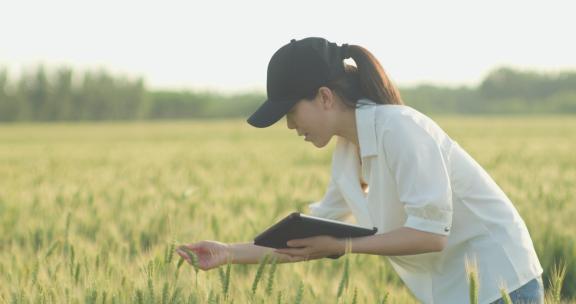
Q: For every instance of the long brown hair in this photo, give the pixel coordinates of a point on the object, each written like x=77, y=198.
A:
x=365, y=80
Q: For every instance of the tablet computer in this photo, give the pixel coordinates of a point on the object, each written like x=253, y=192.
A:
x=297, y=225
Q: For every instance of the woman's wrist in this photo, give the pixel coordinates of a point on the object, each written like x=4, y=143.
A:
x=340, y=246
x=246, y=253
x=237, y=253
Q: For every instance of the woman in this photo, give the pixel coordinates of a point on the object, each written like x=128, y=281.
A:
x=435, y=208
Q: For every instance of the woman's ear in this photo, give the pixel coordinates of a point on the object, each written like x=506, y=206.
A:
x=326, y=98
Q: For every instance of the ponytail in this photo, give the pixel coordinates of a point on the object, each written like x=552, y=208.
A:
x=365, y=80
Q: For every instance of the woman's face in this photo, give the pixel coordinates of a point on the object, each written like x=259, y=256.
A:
x=310, y=118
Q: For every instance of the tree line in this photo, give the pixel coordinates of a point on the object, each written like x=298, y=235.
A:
x=62, y=94
x=503, y=91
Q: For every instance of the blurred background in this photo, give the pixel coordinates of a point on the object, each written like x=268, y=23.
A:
x=70, y=60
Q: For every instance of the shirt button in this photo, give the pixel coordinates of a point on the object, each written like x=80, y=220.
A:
x=446, y=229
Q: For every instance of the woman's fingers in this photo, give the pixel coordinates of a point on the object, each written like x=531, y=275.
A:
x=189, y=254
x=195, y=246
x=190, y=246
x=183, y=254
x=205, y=254
x=293, y=251
x=203, y=261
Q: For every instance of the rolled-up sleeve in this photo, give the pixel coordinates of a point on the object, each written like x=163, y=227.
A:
x=332, y=206
x=416, y=161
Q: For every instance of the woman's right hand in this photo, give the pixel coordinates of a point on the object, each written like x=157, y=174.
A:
x=211, y=254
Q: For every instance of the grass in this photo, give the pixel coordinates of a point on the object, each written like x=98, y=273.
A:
x=90, y=212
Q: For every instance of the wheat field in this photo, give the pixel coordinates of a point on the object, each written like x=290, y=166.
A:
x=91, y=212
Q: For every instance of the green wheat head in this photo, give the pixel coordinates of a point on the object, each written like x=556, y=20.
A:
x=556, y=279
x=472, y=275
x=259, y=272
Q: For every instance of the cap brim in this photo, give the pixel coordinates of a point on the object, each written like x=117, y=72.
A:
x=270, y=112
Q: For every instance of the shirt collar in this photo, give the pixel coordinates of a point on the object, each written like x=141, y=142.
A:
x=365, y=127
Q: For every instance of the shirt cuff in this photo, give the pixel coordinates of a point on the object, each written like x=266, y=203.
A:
x=422, y=224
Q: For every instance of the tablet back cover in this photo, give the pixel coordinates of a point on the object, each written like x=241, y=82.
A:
x=297, y=225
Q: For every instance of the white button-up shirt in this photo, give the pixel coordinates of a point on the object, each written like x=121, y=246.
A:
x=419, y=177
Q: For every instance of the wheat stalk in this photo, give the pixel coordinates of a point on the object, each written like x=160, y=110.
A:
x=104, y=296
x=355, y=295
x=180, y=262
x=299, y=293
x=139, y=297
x=77, y=273
x=472, y=276
x=271, y=276
x=505, y=296
x=556, y=279
x=150, y=288
x=258, y=275
x=225, y=279
x=194, y=259
x=344, y=279
x=169, y=253
x=51, y=249
x=165, y=293
x=384, y=298
x=175, y=295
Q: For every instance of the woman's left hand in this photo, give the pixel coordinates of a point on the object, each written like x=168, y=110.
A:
x=314, y=247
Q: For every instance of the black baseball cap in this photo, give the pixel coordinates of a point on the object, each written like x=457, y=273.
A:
x=295, y=71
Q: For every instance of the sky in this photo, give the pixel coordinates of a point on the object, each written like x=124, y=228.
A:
x=226, y=45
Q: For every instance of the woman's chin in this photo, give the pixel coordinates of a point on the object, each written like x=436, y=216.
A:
x=320, y=145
